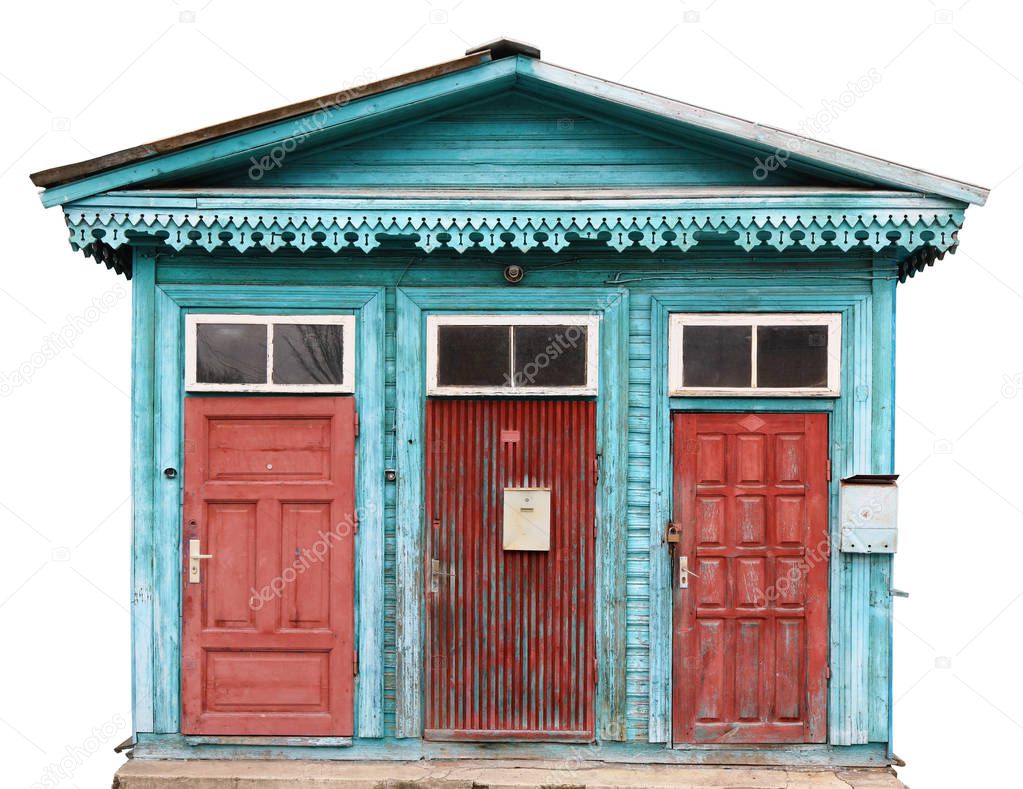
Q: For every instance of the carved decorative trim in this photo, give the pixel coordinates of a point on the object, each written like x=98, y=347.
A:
x=493, y=231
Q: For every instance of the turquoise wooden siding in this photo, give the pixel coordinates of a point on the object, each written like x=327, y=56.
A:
x=708, y=280
x=512, y=140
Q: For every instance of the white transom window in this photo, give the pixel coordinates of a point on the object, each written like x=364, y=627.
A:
x=512, y=355
x=270, y=353
x=755, y=354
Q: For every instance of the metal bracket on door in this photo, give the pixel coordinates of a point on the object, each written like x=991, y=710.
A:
x=439, y=570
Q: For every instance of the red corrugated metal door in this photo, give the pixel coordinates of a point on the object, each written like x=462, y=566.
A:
x=750, y=627
x=510, y=634
x=267, y=631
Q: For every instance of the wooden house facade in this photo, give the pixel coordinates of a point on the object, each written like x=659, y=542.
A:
x=497, y=409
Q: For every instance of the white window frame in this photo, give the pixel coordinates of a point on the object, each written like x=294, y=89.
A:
x=347, y=322
x=679, y=320
x=591, y=322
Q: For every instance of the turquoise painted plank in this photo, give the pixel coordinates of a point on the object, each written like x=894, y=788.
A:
x=660, y=635
x=178, y=747
x=883, y=458
x=143, y=475
x=409, y=524
x=369, y=571
x=612, y=598
x=168, y=517
x=209, y=197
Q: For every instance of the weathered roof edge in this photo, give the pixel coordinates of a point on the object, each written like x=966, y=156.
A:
x=529, y=68
x=783, y=143
x=58, y=176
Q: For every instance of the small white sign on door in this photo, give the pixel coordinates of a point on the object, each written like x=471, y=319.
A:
x=527, y=519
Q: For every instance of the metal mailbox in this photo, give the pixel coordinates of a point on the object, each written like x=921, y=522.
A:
x=527, y=519
x=869, y=513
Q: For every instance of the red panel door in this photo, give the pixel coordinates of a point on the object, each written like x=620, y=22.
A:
x=750, y=619
x=510, y=634
x=267, y=631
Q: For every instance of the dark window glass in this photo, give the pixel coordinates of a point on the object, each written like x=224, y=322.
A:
x=792, y=356
x=230, y=353
x=716, y=355
x=308, y=353
x=550, y=355
x=473, y=355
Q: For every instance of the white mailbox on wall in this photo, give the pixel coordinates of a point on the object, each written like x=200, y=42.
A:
x=527, y=519
x=869, y=513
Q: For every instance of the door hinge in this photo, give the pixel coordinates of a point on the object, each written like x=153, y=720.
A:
x=596, y=469
x=827, y=466
x=355, y=663
x=827, y=672
x=355, y=523
x=356, y=424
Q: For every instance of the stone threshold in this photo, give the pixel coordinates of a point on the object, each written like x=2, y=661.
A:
x=484, y=774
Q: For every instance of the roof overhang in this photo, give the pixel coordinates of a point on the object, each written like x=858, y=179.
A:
x=354, y=110
x=462, y=222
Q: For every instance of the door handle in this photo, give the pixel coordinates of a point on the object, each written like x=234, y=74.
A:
x=194, y=555
x=684, y=572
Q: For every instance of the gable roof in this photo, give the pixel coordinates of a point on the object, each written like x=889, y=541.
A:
x=487, y=69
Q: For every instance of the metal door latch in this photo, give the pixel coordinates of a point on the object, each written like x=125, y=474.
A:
x=684, y=572
x=194, y=556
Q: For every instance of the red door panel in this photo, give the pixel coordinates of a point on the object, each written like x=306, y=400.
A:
x=267, y=632
x=750, y=628
x=510, y=634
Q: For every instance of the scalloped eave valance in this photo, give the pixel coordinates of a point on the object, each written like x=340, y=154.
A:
x=552, y=230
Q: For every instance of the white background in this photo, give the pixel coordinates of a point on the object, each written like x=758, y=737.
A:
x=79, y=79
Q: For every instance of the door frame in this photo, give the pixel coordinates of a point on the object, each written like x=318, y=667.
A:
x=858, y=644
x=159, y=324
x=412, y=307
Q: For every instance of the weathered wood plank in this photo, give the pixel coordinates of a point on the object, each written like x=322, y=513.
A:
x=143, y=476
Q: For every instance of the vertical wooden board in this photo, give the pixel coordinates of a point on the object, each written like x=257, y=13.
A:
x=659, y=578
x=883, y=458
x=408, y=533
x=143, y=475
x=369, y=545
x=167, y=520
x=612, y=440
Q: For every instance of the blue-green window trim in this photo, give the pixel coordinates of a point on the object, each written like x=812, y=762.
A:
x=860, y=442
x=157, y=397
x=612, y=408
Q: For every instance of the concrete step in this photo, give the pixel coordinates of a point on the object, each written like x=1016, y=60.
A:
x=480, y=774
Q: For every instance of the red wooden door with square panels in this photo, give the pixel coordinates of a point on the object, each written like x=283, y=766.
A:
x=750, y=615
x=268, y=612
